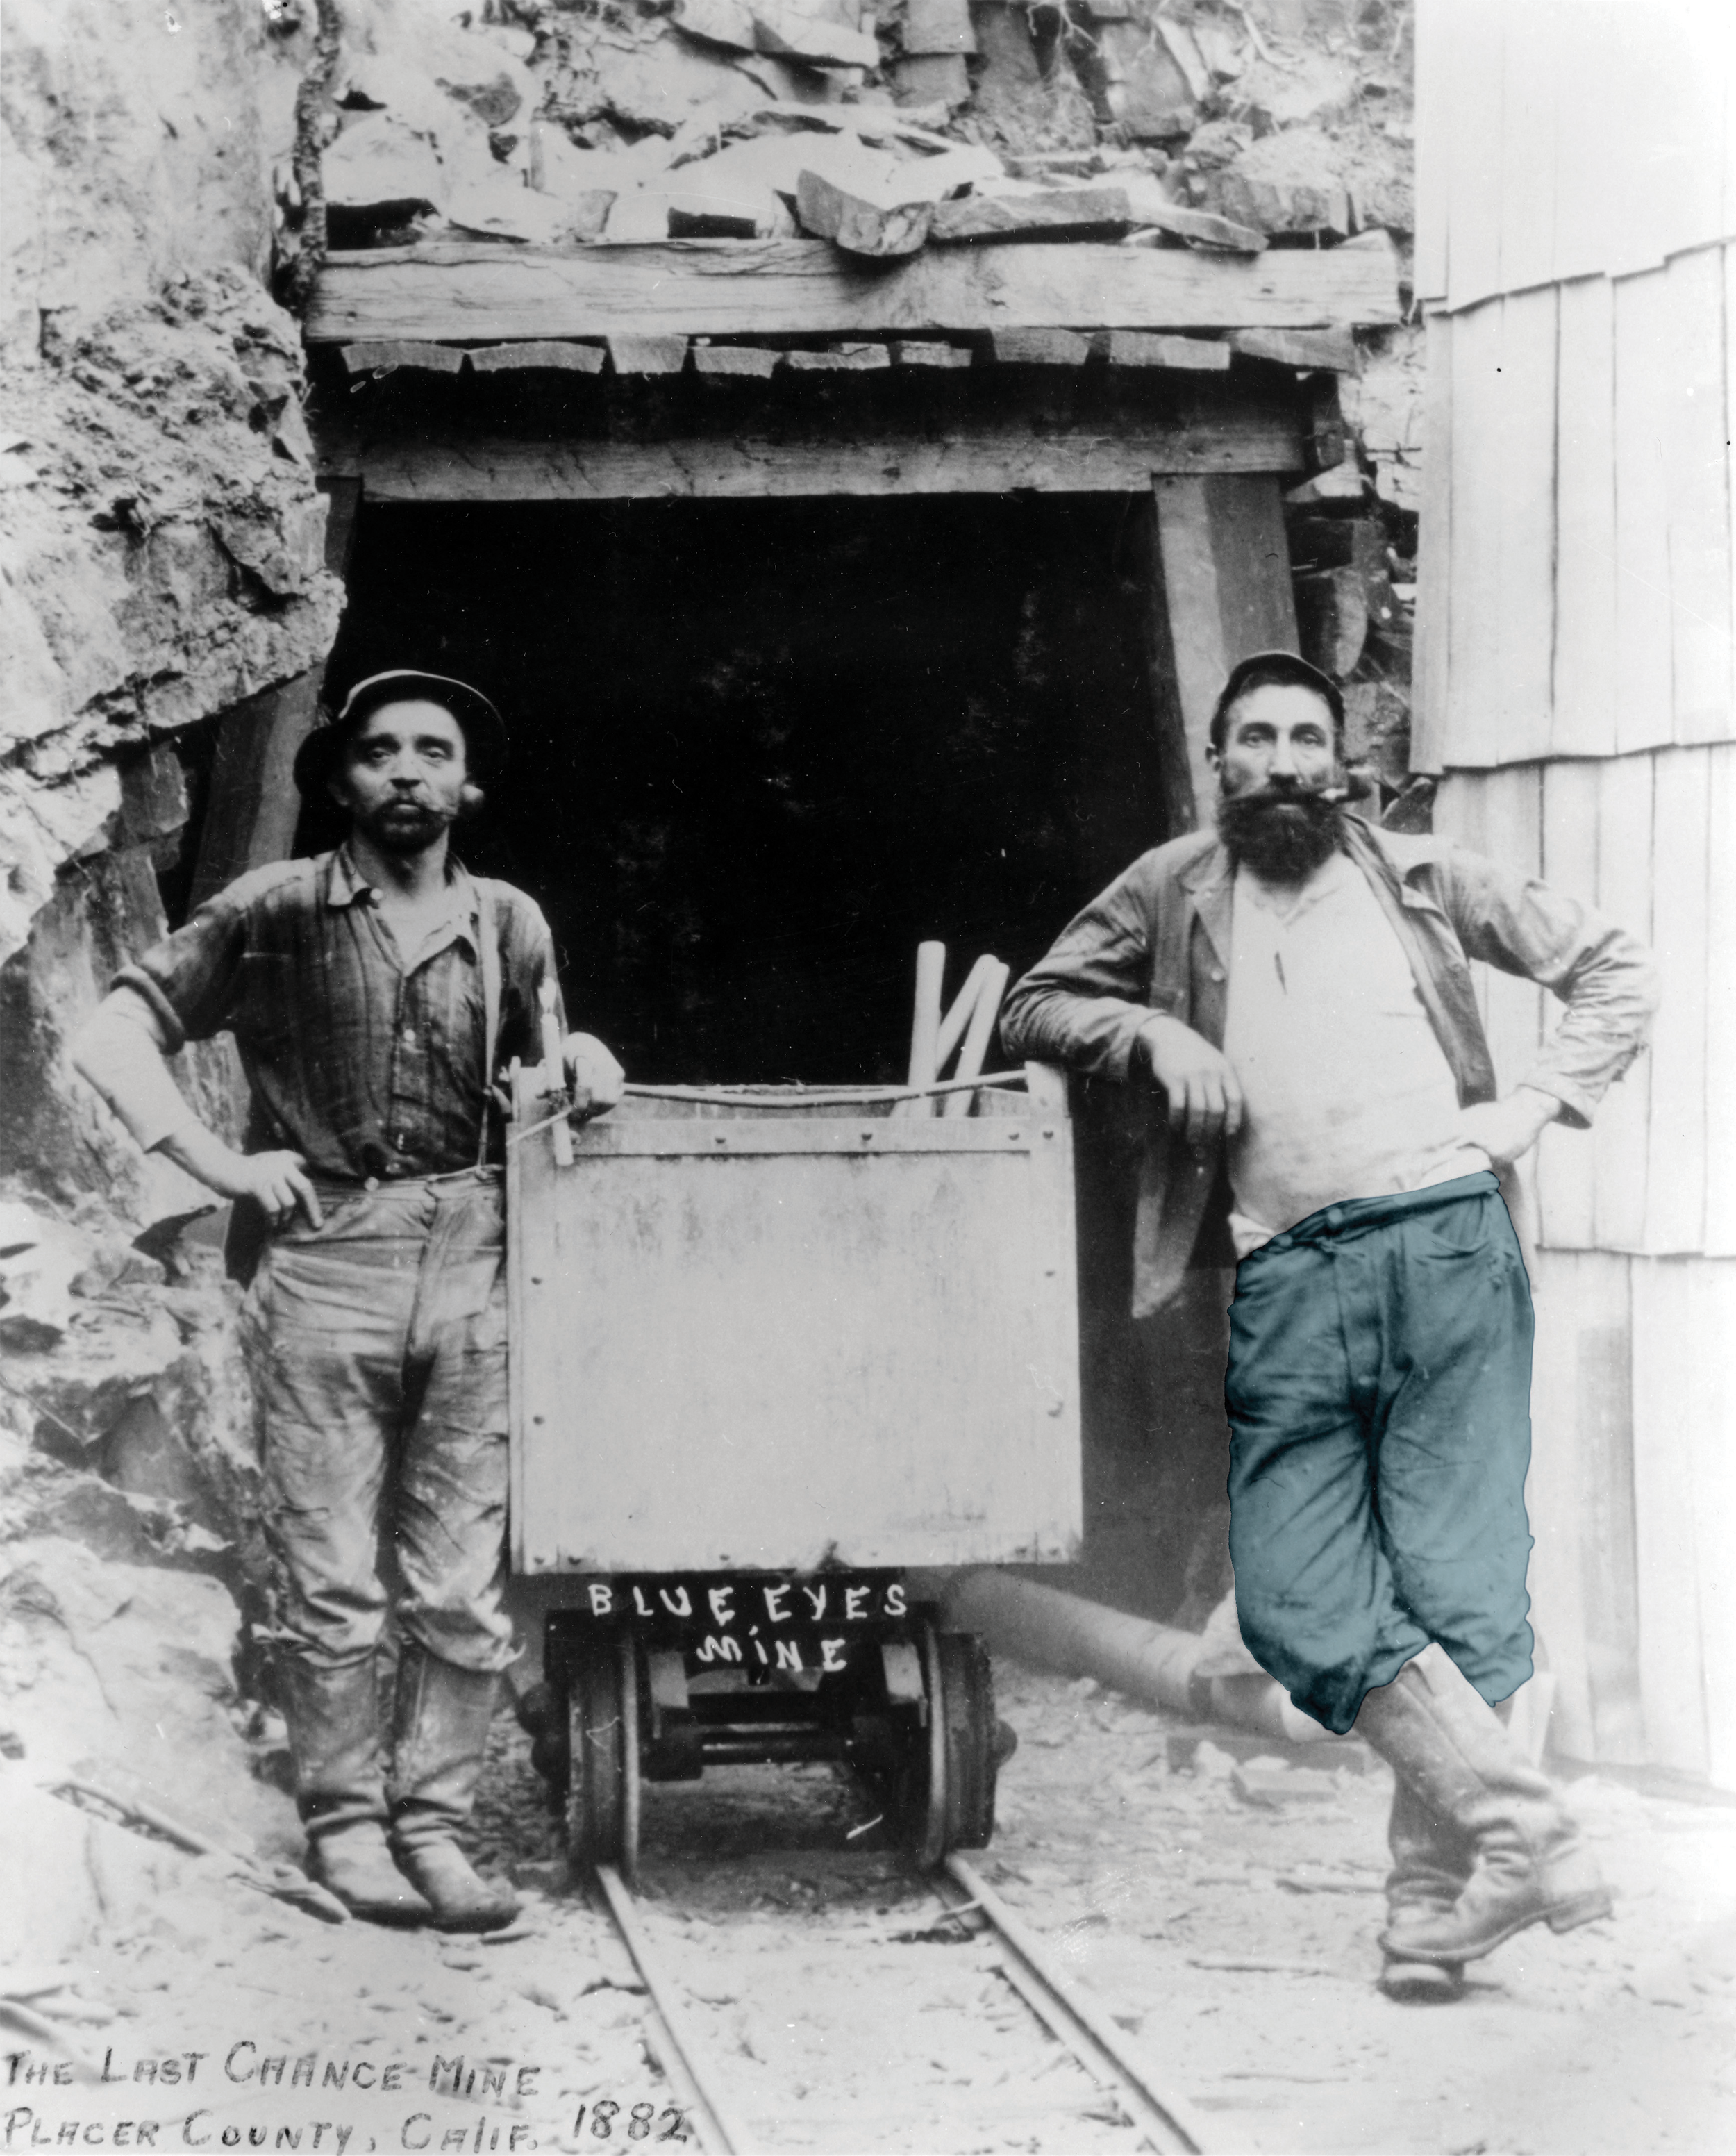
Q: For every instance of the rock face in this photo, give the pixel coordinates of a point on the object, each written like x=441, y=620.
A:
x=161, y=558
x=161, y=535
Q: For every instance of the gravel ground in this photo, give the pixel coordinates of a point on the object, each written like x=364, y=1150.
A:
x=849, y=2014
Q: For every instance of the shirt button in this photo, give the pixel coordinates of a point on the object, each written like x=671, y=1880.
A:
x=1217, y=972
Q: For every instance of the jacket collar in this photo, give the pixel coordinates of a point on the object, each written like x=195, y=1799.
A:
x=1210, y=881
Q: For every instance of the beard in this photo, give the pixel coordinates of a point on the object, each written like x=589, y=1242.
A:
x=403, y=827
x=1284, y=835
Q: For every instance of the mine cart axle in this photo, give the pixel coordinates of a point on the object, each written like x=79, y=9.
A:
x=910, y=1706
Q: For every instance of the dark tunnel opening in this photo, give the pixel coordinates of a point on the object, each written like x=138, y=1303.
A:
x=760, y=750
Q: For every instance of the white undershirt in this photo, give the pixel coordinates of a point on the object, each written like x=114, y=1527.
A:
x=1347, y=1092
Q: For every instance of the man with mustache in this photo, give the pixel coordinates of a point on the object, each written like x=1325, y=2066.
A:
x=373, y=994
x=1297, y=986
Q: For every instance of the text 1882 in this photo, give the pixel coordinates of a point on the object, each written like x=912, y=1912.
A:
x=609, y=2121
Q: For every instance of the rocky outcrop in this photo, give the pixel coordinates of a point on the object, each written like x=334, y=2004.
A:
x=161, y=552
x=161, y=558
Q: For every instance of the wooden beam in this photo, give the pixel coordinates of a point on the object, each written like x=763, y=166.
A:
x=1224, y=591
x=1332, y=349
x=550, y=354
x=1088, y=459
x=343, y=503
x=1142, y=348
x=648, y=355
x=380, y=357
x=1041, y=348
x=253, y=806
x=909, y=352
x=718, y=360
x=796, y=287
x=841, y=359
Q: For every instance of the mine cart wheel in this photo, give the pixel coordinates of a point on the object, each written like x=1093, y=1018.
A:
x=602, y=1791
x=949, y=1780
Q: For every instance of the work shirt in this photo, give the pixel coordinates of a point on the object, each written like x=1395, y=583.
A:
x=1346, y=1093
x=1159, y=941
x=365, y=1059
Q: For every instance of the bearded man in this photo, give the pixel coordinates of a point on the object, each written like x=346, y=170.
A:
x=373, y=994
x=1297, y=988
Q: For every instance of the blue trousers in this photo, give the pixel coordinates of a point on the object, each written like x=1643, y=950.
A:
x=1379, y=1401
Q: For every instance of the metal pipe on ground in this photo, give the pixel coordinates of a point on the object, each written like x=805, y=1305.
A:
x=1053, y=1631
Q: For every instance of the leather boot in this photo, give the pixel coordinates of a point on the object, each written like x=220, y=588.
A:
x=1431, y=1863
x=1441, y=1737
x=333, y=1715
x=444, y=1714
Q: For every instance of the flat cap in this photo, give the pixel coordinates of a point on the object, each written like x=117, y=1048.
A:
x=484, y=729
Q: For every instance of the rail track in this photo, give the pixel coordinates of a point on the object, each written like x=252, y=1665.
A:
x=1159, y=2118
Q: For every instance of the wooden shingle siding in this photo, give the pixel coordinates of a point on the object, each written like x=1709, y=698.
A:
x=1580, y=1498
x=1561, y=138
x=1576, y=687
x=1584, y=520
x=1720, y=1076
x=1582, y=719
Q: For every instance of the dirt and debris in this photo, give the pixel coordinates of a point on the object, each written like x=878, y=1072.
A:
x=440, y=122
x=1233, y=1941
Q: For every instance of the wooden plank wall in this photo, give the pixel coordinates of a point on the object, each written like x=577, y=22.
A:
x=1576, y=682
x=1582, y=438
x=1650, y=841
x=1633, y=1486
x=1518, y=104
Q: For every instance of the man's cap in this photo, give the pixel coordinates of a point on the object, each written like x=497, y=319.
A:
x=484, y=730
x=1285, y=666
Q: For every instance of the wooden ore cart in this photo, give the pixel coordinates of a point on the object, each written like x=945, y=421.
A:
x=776, y=1356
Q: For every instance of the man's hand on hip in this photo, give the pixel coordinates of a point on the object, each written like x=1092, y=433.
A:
x=596, y=1077
x=276, y=1182
x=1505, y=1128
x=1205, y=1099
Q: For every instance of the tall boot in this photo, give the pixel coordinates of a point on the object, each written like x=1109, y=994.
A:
x=1442, y=1738
x=444, y=1714
x=1432, y=1862
x=334, y=1719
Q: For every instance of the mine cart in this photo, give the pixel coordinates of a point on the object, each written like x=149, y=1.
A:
x=778, y=1356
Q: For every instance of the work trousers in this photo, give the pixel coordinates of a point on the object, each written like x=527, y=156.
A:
x=1379, y=1399
x=377, y=1345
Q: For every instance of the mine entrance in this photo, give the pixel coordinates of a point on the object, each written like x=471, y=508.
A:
x=760, y=749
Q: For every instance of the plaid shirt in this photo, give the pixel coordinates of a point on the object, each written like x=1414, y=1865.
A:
x=366, y=1059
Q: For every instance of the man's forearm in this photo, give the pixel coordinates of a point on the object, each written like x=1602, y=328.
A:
x=118, y=1049
x=1044, y=1022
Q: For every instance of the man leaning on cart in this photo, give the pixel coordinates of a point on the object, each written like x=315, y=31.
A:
x=373, y=992
x=1297, y=985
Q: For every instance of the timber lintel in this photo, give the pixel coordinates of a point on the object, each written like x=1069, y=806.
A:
x=448, y=292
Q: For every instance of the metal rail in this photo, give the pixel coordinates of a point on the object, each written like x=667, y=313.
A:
x=1167, y=2122
x=718, y=2128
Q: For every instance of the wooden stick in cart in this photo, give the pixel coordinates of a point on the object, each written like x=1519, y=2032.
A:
x=978, y=1035
x=925, y=1022
x=952, y=1026
x=555, y=1073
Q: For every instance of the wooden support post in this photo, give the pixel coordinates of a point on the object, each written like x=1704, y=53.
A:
x=343, y=500
x=1220, y=584
x=251, y=815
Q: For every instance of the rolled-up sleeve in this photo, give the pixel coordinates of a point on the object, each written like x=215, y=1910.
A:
x=1082, y=1005
x=192, y=979
x=1604, y=976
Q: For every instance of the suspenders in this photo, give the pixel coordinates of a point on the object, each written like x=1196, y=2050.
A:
x=489, y=955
